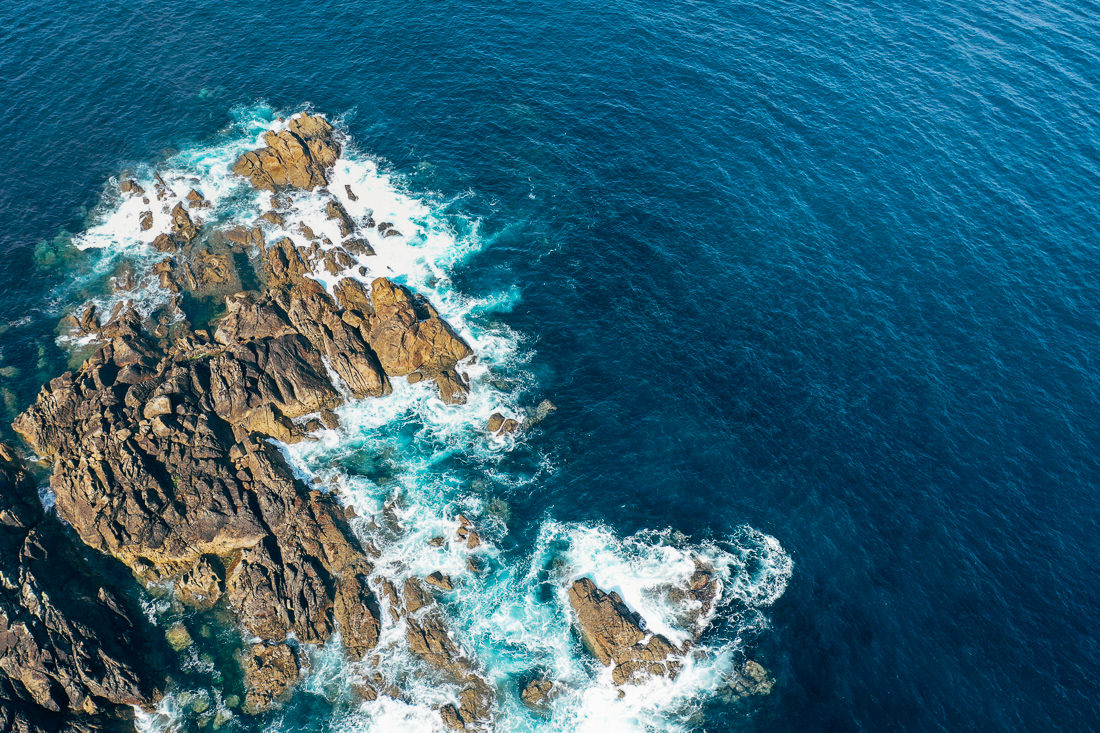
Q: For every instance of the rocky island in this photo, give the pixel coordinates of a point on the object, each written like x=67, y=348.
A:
x=165, y=451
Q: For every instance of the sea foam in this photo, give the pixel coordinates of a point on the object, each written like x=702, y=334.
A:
x=393, y=460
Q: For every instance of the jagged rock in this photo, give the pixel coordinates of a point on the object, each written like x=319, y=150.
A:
x=73, y=654
x=495, y=421
x=351, y=195
x=202, y=585
x=146, y=220
x=467, y=533
x=270, y=670
x=335, y=211
x=183, y=228
x=428, y=638
x=131, y=187
x=406, y=342
x=274, y=218
x=163, y=489
x=195, y=200
x=297, y=156
x=616, y=636
x=537, y=692
x=164, y=243
x=359, y=246
x=439, y=580
x=386, y=229
x=160, y=448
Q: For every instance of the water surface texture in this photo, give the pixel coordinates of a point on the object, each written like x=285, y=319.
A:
x=813, y=286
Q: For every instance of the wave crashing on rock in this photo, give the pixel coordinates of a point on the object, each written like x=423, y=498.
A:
x=265, y=426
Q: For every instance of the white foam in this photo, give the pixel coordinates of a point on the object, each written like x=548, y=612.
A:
x=389, y=460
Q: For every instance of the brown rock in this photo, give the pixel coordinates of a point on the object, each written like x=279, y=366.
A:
x=270, y=670
x=146, y=220
x=160, y=470
x=298, y=156
x=195, y=200
x=72, y=651
x=131, y=187
x=616, y=636
x=439, y=580
x=403, y=341
x=335, y=211
x=183, y=227
x=495, y=421
x=537, y=692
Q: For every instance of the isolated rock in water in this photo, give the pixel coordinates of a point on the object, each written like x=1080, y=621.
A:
x=183, y=228
x=269, y=671
x=751, y=679
x=616, y=636
x=73, y=655
x=195, y=200
x=298, y=156
x=537, y=692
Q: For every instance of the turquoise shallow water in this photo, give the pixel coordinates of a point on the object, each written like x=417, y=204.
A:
x=826, y=271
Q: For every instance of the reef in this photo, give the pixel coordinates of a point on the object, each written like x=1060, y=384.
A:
x=165, y=447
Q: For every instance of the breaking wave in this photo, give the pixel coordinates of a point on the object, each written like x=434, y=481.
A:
x=410, y=465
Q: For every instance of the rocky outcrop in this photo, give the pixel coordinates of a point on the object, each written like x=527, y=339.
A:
x=616, y=636
x=159, y=461
x=409, y=338
x=298, y=156
x=161, y=442
x=74, y=655
x=270, y=670
x=536, y=694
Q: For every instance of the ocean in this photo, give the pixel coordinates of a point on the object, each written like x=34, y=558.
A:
x=813, y=287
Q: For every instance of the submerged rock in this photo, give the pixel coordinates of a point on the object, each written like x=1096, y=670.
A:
x=73, y=655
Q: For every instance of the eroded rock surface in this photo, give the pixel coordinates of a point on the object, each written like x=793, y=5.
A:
x=159, y=461
x=616, y=636
x=73, y=654
x=270, y=670
x=297, y=156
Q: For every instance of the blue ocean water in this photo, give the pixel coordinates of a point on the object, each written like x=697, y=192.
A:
x=827, y=270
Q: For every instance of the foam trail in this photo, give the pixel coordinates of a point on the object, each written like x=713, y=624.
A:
x=393, y=460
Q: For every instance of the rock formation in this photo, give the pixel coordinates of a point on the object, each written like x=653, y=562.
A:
x=160, y=440
x=298, y=156
x=616, y=636
x=73, y=655
x=159, y=461
x=429, y=639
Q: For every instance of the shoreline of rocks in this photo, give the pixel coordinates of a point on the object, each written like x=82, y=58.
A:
x=162, y=458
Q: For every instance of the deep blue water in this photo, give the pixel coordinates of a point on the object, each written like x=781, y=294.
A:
x=828, y=269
